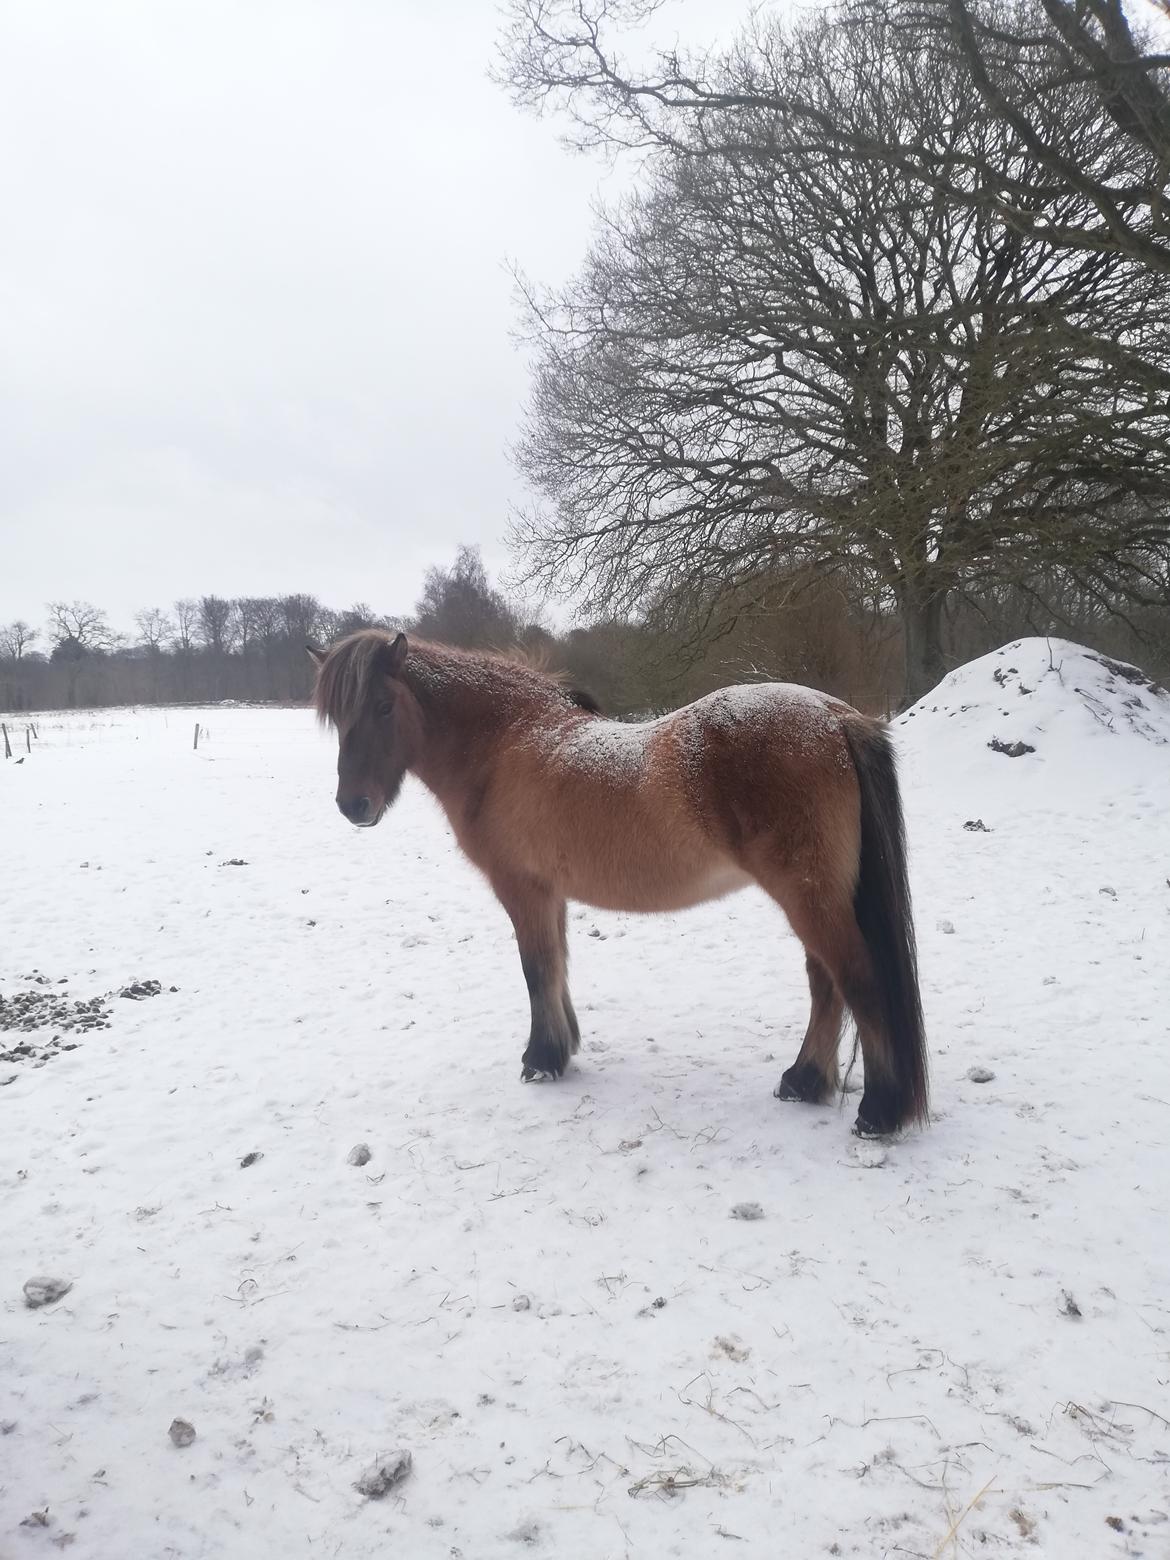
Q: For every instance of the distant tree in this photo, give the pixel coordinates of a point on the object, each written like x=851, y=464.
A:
x=301, y=622
x=79, y=631
x=460, y=606
x=185, y=624
x=360, y=615
x=155, y=632
x=81, y=624
x=216, y=624
x=155, y=629
x=265, y=630
x=15, y=639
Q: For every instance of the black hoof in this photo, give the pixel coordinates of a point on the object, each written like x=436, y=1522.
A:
x=543, y=1059
x=804, y=1084
x=878, y=1115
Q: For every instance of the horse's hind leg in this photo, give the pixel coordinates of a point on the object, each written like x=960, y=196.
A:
x=814, y=1076
x=833, y=939
x=539, y=919
x=570, y=1015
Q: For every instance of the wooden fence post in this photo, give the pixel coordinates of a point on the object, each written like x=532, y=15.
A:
x=196, y=744
x=28, y=738
x=7, y=744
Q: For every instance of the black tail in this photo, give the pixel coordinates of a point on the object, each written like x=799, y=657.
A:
x=881, y=903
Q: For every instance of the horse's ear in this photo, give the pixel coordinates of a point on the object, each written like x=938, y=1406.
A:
x=392, y=656
x=316, y=654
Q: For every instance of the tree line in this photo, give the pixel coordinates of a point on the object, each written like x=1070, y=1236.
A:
x=826, y=634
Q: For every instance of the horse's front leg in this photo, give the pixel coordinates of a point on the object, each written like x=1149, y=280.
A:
x=538, y=916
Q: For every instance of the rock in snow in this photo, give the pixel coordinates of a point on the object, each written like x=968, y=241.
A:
x=44, y=1291
x=383, y=1474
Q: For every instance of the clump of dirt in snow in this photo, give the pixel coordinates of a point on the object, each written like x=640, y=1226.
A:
x=45, y=1004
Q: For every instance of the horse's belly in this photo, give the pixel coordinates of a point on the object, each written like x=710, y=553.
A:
x=656, y=886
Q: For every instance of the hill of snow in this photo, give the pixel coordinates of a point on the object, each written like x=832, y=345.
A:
x=1069, y=705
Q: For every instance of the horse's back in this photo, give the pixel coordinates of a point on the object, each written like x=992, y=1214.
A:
x=671, y=812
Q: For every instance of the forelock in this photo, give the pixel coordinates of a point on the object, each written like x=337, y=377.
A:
x=346, y=676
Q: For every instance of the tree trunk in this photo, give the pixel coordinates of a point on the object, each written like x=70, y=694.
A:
x=922, y=621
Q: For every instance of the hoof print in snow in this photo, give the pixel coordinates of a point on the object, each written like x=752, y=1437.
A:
x=870, y=1153
x=521, y=1302
x=381, y=1476
x=747, y=1210
x=528, y=1532
x=731, y=1349
x=182, y=1432
x=1111, y=892
x=36, y=1519
x=45, y=1291
x=359, y=1154
x=1010, y=749
x=946, y=927
x=250, y=1159
x=976, y=826
x=980, y=1074
x=1068, y=1306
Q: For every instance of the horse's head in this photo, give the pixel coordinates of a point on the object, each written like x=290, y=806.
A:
x=359, y=691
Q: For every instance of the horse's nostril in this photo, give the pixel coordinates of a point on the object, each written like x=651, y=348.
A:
x=356, y=809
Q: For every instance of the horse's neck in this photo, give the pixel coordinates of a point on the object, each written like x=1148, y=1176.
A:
x=457, y=715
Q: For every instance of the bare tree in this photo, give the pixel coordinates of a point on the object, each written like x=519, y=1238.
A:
x=80, y=624
x=15, y=639
x=216, y=624
x=360, y=615
x=301, y=623
x=1025, y=59
x=787, y=357
x=1023, y=62
x=155, y=629
x=79, y=631
x=185, y=621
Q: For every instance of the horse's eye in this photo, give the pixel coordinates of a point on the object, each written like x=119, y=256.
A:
x=384, y=708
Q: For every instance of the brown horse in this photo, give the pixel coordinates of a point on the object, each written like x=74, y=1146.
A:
x=763, y=783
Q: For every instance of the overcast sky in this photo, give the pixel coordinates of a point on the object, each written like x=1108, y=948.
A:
x=254, y=300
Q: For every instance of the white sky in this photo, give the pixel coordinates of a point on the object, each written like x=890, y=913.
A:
x=254, y=304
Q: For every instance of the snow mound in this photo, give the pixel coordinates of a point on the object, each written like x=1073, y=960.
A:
x=1038, y=699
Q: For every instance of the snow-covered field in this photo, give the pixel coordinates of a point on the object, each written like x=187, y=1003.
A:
x=955, y=1344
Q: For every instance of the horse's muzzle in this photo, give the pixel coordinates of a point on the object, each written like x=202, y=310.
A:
x=359, y=810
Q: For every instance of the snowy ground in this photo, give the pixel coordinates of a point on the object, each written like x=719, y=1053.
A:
x=957, y=1344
